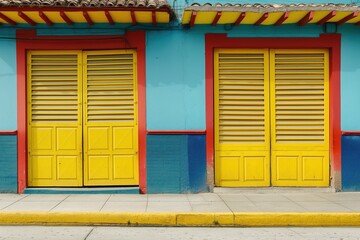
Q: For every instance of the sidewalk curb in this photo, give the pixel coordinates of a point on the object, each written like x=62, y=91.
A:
x=251, y=219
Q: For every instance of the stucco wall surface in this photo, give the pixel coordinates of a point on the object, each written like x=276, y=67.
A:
x=7, y=80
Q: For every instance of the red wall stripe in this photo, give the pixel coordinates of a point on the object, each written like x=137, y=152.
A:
x=355, y=133
x=8, y=132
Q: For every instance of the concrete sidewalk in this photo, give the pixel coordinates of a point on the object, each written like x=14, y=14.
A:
x=224, y=207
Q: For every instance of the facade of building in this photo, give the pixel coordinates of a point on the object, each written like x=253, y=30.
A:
x=178, y=96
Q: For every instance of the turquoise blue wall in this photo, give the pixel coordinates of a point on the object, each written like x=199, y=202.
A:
x=175, y=73
x=7, y=80
x=350, y=79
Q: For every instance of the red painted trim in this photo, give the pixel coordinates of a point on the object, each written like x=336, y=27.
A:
x=138, y=39
x=66, y=18
x=327, y=18
x=133, y=18
x=305, y=20
x=26, y=18
x=8, y=132
x=87, y=18
x=79, y=9
x=348, y=17
x=109, y=18
x=240, y=18
x=357, y=133
x=216, y=19
x=153, y=18
x=8, y=20
x=262, y=19
x=175, y=132
x=131, y=40
x=282, y=19
x=21, y=107
x=329, y=41
x=45, y=18
x=192, y=20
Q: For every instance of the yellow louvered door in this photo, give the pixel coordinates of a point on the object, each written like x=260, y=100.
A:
x=55, y=118
x=110, y=118
x=300, y=117
x=242, y=126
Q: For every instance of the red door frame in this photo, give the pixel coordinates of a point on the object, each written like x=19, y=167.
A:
x=28, y=40
x=328, y=41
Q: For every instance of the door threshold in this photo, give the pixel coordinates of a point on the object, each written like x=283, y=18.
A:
x=84, y=190
x=273, y=189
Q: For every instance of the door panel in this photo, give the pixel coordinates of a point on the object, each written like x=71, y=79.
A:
x=300, y=117
x=110, y=118
x=300, y=168
x=54, y=116
x=243, y=168
x=242, y=133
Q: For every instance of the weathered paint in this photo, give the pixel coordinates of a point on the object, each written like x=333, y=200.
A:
x=350, y=162
x=8, y=163
x=176, y=163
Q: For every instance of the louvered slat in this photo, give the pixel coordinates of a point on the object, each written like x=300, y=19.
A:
x=241, y=112
x=299, y=97
x=54, y=87
x=110, y=88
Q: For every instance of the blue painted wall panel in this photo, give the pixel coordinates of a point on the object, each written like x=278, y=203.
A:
x=8, y=163
x=197, y=162
x=175, y=164
x=175, y=75
x=350, y=163
x=350, y=84
x=7, y=80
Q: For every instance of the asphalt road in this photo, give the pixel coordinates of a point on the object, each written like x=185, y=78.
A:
x=187, y=233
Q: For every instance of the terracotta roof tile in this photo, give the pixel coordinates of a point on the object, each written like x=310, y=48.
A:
x=262, y=8
x=85, y=3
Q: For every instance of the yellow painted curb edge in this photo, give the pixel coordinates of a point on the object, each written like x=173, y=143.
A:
x=258, y=219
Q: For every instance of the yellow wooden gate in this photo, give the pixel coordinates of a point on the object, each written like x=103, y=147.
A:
x=82, y=114
x=295, y=84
